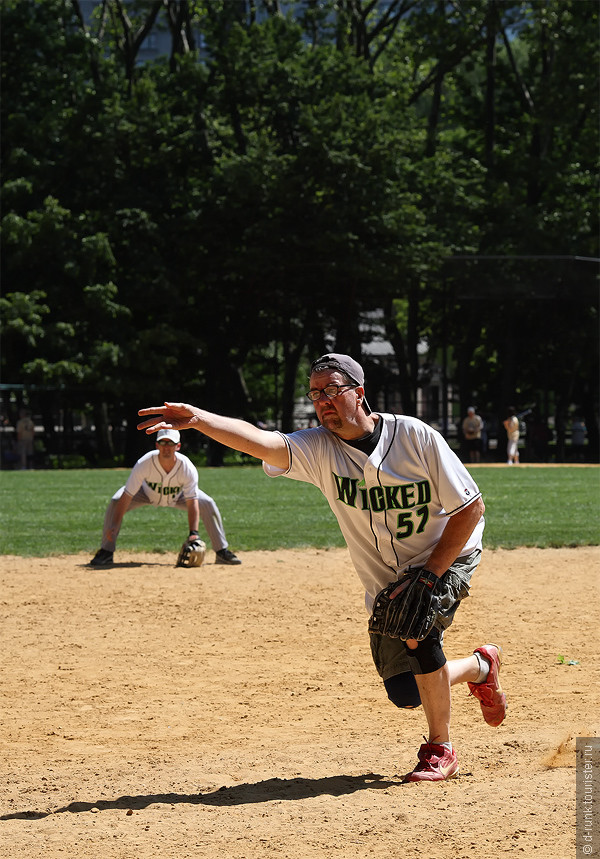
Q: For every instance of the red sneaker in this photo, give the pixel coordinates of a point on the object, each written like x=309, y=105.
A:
x=436, y=763
x=489, y=693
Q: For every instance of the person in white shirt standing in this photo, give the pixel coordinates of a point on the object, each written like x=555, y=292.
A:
x=164, y=477
x=403, y=501
x=25, y=436
x=511, y=425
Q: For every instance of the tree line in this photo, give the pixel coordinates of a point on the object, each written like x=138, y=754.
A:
x=198, y=227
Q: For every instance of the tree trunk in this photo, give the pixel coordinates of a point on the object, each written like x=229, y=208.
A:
x=395, y=337
x=490, y=89
x=104, y=440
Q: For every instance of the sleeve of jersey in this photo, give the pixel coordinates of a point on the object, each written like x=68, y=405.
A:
x=455, y=486
x=135, y=479
x=191, y=481
x=304, y=448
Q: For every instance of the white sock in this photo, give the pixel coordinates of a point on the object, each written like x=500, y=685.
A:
x=447, y=745
x=484, y=668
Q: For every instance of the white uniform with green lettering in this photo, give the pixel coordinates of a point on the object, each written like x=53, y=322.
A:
x=149, y=483
x=162, y=488
x=391, y=506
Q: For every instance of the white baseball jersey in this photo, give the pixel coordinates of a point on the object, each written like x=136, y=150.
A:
x=392, y=506
x=160, y=488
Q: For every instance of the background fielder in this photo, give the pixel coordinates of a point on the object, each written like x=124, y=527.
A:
x=164, y=477
x=403, y=500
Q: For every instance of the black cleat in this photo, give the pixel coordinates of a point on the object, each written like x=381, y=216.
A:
x=225, y=556
x=102, y=558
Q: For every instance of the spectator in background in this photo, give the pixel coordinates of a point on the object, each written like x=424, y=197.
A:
x=472, y=427
x=25, y=436
x=578, y=434
x=511, y=425
x=539, y=436
x=8, y=444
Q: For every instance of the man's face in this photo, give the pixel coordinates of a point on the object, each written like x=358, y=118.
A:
x=344, y=414
x=166, y=450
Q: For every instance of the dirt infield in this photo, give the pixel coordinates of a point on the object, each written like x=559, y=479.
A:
x=149, y=711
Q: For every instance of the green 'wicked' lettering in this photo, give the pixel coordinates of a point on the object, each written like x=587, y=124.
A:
x=407, y=490
x=346, y=487
x=377, y=498
x=423, y=492
x=391, y=498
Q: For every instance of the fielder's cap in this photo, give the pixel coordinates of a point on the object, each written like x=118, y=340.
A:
x=345, y=364
x=172, y=435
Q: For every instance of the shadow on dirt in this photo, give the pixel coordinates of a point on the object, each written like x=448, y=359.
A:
x=240, y=794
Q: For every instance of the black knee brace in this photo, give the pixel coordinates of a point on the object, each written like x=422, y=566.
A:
x=402, y=690
x=428, y=655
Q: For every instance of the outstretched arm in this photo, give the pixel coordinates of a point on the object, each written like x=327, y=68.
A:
x=232, y=432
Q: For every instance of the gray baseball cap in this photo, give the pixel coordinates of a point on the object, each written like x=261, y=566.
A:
x=346, y=365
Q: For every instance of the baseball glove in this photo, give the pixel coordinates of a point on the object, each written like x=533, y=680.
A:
x=191, y=554
x=411, y=613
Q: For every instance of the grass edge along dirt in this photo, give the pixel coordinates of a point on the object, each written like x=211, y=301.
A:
x=61, y=512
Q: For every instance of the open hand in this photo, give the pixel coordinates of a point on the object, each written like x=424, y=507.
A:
x=176, y=416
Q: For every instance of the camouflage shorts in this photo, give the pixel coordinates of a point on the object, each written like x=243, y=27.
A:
x=390, y=654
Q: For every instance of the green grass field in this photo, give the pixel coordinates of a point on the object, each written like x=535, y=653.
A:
x=61, y=512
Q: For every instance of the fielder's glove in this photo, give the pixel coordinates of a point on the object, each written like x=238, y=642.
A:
x=411, y=613
x=192, y=554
